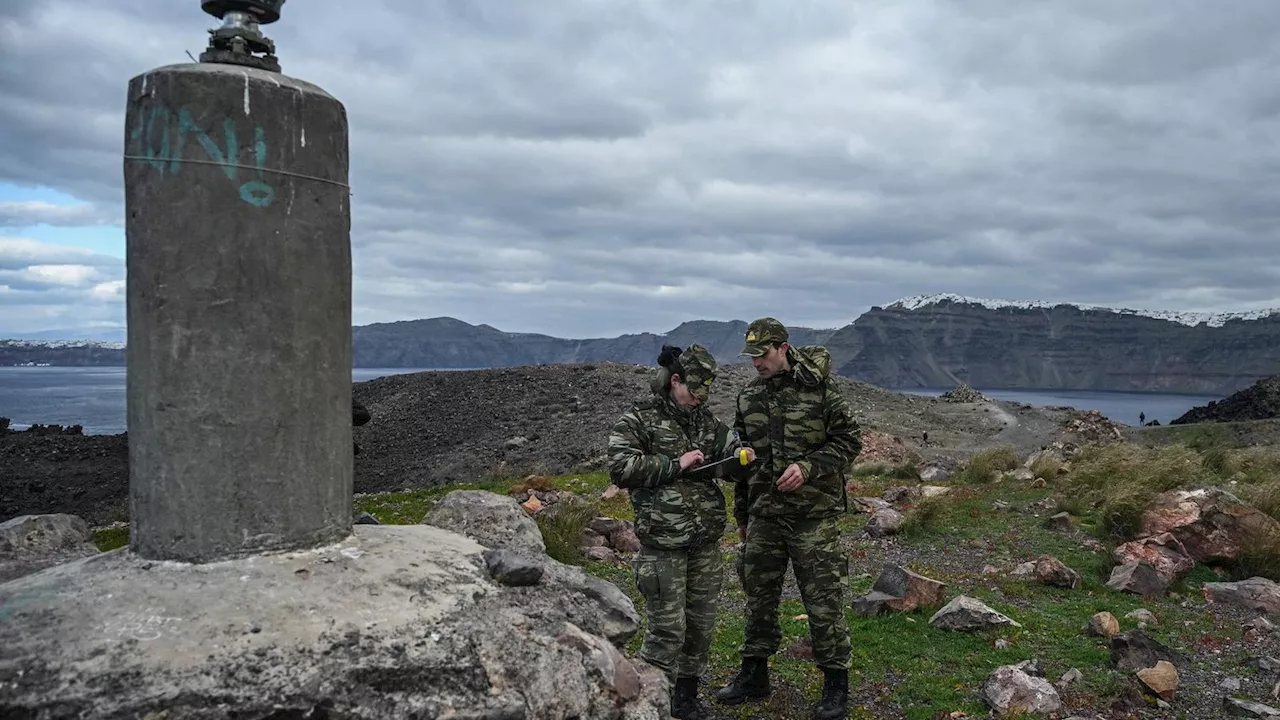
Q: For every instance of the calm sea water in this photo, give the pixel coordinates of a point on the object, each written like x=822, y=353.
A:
x=94, y=397
x=1121, y=407
x=90, y=396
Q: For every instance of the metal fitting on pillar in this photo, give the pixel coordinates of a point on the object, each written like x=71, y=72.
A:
x=240, y=40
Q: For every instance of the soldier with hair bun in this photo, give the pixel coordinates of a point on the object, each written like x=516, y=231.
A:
x=662, y=450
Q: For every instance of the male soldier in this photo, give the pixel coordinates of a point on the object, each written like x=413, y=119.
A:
x=804, y=437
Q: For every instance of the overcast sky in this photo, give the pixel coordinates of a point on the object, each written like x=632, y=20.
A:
x=586, y=168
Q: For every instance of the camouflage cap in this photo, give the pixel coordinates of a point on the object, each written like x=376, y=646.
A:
x=699, y=370
x=763, y=334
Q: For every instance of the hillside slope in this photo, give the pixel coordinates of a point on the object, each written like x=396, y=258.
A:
x=452, y=343
x=1260, y=401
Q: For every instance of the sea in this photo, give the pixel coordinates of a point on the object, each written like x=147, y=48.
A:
x=94, y=398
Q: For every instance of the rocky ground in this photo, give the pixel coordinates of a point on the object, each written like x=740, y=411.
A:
x=434, y=428
x=1260, y=401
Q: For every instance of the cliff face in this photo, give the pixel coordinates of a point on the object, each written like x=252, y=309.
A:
x=942, y=342
x=86, y=353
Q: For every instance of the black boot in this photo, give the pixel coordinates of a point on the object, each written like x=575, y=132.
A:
x=835, y=695
x=751, y=682
x=685, y=704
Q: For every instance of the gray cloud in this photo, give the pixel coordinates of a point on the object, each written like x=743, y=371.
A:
x=44, y=286
x=581, y=169
x=32, y=212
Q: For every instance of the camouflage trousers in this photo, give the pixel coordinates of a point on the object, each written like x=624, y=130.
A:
x=680, y=589
x=821, y=570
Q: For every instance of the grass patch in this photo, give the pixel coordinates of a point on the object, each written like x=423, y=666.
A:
x=923, y=517
x=900, y=471
x=1260, y=555
x=562, y=528
x=111, y=538
x=410, y=506
x=1252, y=466
x=1047, y=466
x=984, y=466
x=1123, y=479
x=1265, y=496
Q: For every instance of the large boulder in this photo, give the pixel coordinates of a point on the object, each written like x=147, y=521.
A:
x=393, y=621
x=30, y=543
x=497, y=522
x=1211, y=523
x=493, y=520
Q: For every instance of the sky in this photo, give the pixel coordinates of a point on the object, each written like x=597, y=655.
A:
x=587, y=169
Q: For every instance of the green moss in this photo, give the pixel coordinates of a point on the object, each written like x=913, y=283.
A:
x=111, y=538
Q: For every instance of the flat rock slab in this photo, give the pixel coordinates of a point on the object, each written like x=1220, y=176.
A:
x=969, y=614
x=1255, y=593
x=392, y=621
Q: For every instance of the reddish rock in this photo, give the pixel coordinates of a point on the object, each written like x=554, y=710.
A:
x=1051, y=571
x=1211, y=524
x=624, y=539
x=1163, y=552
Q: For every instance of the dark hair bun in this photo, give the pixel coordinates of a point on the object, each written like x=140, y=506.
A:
x=669, y=355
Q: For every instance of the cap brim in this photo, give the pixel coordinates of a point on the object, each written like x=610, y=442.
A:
x=753, y=351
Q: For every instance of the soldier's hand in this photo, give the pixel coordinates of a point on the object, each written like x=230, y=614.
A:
x=751, y=455
x=792, y=478
x=689, y=459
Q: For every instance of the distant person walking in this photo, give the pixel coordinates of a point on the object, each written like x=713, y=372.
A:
x=661, y=450
x=787, y=508
x=1142, y=418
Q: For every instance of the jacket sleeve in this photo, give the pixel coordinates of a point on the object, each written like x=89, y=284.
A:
x=740, y=504
x=631, y=466
x=843, y=442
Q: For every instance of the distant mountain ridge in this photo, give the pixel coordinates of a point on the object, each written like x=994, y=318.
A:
x=452, y=343
x=61, y=352
x=923, y=341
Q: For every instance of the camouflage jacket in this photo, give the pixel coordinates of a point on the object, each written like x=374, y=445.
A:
x=796, y=417
x=673, y=510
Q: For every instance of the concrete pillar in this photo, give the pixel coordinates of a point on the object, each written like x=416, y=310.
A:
x=239, y=312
